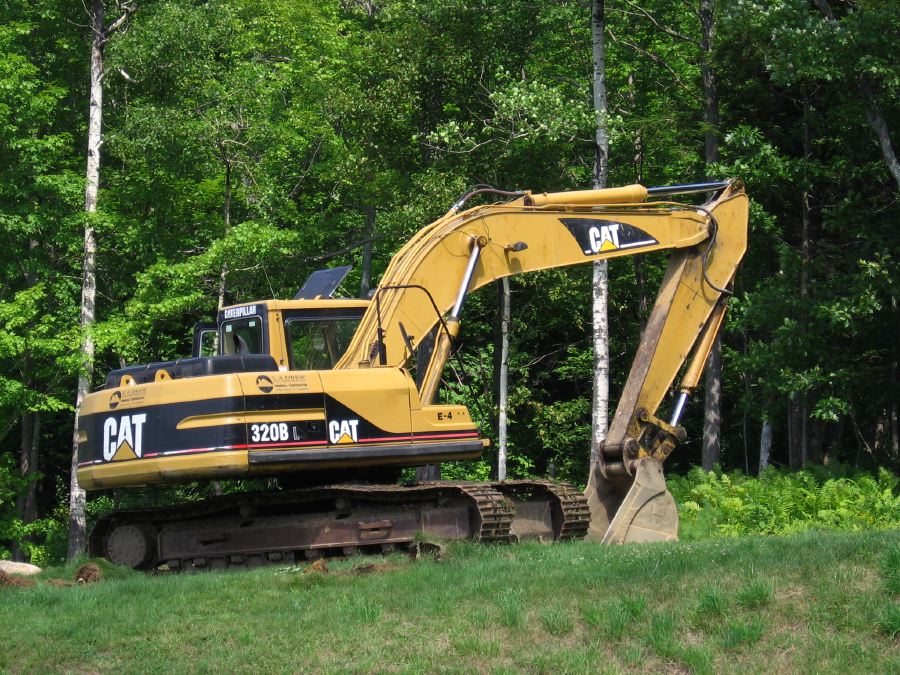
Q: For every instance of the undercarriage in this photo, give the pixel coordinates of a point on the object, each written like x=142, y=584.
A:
x=251, y=529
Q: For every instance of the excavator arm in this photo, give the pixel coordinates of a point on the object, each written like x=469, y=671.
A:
x=426, y=284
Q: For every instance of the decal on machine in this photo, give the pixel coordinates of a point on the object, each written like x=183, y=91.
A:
x=127, y=396
x=238, y=312
x=599, y=236
x=282, y=382
x=343, y=431
x=123, y=437
x=271, y=433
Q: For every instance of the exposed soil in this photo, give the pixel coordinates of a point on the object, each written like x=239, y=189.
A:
x=12, y=581
x=88, y=573
x=370, y=568
x=318, y=567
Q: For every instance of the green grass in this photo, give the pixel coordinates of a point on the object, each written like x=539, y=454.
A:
x=805, y=603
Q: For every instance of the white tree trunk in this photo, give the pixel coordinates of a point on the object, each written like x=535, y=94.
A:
x=504, y=380
x=600, y=319
x=77, y=520
x=100, y=33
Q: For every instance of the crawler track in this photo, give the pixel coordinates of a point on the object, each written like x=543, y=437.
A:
x=251, y=529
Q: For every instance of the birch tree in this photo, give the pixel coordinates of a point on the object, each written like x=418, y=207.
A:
x=600, y=286
x=100, y=35
x=503, y=386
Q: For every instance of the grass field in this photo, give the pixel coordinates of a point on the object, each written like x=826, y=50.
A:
x=814, y=603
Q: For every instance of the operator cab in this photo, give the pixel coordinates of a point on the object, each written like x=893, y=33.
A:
x=310, y=332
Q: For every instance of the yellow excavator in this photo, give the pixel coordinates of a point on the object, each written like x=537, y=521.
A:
x=318, y=392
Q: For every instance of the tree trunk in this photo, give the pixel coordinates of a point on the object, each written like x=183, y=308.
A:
x=805, y=258
x=765, y=444
x=428, y=472
x=795, y=433
x=504, y=378
x=99, y=35
x=710, y=89
x=77, y=521
x=638, y=144
x=365, y=282
x=712, y=401
x=26, y=502
x=895, y=388
x=600, y=318
x=226, y=218
x=880, y=127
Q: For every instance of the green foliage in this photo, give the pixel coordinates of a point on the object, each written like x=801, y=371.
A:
x=712, y=602
x=755, y=594
x=890, y=569
x=741, y=633
x=779, y=502
x=889, y=619
x=42, y=541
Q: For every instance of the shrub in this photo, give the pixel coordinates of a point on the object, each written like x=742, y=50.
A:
x=714, y=504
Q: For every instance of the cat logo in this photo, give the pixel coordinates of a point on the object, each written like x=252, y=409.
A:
x=123, y=438
x=343, y=431
x=600, y=236
x=264, y=384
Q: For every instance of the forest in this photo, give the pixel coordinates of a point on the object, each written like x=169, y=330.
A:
x=162, y=158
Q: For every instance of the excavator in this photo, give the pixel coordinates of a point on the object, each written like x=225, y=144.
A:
x=318, y=392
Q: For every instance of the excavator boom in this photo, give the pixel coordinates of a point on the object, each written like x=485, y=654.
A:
x=462, y=252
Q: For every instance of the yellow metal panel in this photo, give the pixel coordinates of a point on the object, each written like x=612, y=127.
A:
x=147, y=471
x=442, y=418
x=156, y=393
x=380, y=395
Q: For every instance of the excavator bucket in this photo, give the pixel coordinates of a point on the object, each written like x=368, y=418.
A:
x=634, y=508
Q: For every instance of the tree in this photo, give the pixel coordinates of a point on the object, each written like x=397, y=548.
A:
x=100, y=35
x=600, y=286
x=712, y=401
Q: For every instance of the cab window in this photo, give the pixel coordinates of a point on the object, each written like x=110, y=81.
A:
x=242, y=336
x=208, y=342
x=317, y=344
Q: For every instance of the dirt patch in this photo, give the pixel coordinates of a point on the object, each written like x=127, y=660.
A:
x=372, y=568
x=12, y=581
x=420, y=550
x=318, y=567
x=88, y=573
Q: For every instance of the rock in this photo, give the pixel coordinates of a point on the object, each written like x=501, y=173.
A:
x=20, y=568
